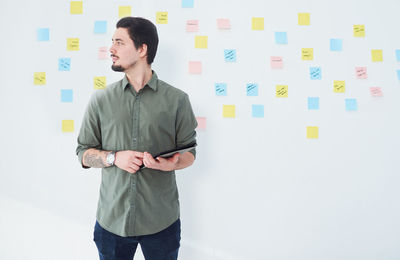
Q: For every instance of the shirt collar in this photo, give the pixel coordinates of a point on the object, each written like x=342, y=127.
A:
x=152, y=83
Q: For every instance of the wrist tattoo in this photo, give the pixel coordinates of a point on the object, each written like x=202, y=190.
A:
x=95, y=161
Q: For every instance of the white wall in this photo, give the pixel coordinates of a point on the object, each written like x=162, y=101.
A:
x=259, y=188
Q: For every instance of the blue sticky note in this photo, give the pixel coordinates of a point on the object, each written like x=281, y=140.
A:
x=313, y=103
x=220, y=89
x=64, y=64
x=43, y=34
x=398, y=55
x=280, y=38
x=398, y=74
x=100, y=26
x=351, y=104
x=258, y=110
x=230, y=55
x=66, y=95
x=336, y=44
x=252, y=89
x=315, y=73
x=187, y=3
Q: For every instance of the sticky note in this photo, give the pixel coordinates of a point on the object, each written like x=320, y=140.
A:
x=398, y=55
x=351, y=104
x=124, y=11
x=338, y=86
x=64, y=64
x=315, y=73
x=312, y=132
x=201, y=122
x=99, y=82
x=257, y=110
x=220, y=89
x=336, y=44
x=43, y=34
x=276, y=62
x=192, y=26
x=223, y=24
x=228, y=111
x=361, y=72
x=162, y=17
x=376, y=91
x=39, y=78
x=307, y=53
x=398, y=74
x=67, y=126
x=313, y=103
x=100, y=27
x=252, y=89
x=359, y=30
x=377, y=55
x=187, y=3
x=76, y=7
x=73, y=44
x=281, y=38
x=103, y=53
x=195, y=67
x=303, y=18
x=230, y=55
x=200, y=42
x=281, y=91
x=257, y=23
x=66, y=95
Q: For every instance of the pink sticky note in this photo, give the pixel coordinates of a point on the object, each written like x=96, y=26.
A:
x=192, y=26
x=195, y=67
x=201, y=122
x=103, y=53
x=224, y=24
x=361, y=72
x=276, y=62
x=376, y=91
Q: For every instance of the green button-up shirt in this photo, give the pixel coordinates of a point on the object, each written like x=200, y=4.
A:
x=157, y=118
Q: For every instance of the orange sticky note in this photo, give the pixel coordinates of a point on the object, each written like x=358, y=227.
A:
x=67, y=126
x=223, y=24
x=192, y=25
x=195, y=67
x=201, y=123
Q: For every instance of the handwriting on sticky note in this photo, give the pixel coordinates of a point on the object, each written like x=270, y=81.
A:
x=257, y=23
x=103, y=53
x=303, y=18
x=39, y=78
x=228, y=111
x=67, y=126
x=359, y=30
x=361, y=72
x=377, y=55
x=252, y=89
x=76, y=7
x=276, y=62
x=338, y=86
x=376, y=91
x=124, y=11
x=220, y=89
x=281, y=91
x=73, y=44
x=195, y=67
x=64, y=64
x=312, y=132
x=307, y=53
x=162, y=17
x=99, y=82
x=201, y=42
x=315, y=73
x=192, y=25
x=230, y=55
x=257, y=111
x=223, y=24
x=201, y=122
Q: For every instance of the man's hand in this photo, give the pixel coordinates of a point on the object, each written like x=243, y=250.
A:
x=129, y=161
x=159, y=163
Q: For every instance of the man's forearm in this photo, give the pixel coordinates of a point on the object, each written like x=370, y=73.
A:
x=185, y=160
x=95, y=158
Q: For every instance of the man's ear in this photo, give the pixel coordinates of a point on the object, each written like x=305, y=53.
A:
x=143, y=50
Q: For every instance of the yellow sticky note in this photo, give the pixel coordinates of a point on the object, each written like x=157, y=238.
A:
x=99, y=82
x=124, y=11
x=377, y=55
x=257, y=23
x=200, y=42
x=39, y=78
x=359, y=30
x=281, y=91
x=307, y=53
x=304, y=18
x=338, y=86
x=312, y=132
x=67, y=126
x=162, y=17
x=76, y=7
x=228, y=111
x=72, y=44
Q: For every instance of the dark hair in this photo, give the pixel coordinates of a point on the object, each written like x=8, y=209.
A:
x=141, y=31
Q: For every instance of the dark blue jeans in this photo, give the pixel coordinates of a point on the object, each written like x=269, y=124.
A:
x=163, y=245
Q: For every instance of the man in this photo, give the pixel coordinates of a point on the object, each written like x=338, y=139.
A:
x=123, y=126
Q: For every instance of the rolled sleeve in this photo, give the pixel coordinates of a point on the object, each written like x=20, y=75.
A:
x=186, y=124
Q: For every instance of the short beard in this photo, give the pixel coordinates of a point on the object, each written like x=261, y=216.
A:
x=117, y=68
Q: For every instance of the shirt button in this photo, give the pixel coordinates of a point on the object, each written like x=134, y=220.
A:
x=134, y=139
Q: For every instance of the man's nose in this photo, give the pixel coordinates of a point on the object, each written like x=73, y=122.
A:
x=112, y=50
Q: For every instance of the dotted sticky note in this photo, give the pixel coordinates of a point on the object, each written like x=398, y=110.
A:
x=361, y=72
x=201, y=122
x=336, y=44
x=303, y=18
x=315, y=73
x=39, y=78
x=67, y=126
x=376, y=91
x=76, y=7
x=338, y=86
x=257, y=23
x=281, y=38
x=162, y=17
x=313, y=103
x=351, y=104
x=187, y=3
x=257, y=110
x=195, y=67
x=307, y=53
x=64, y=64
x=252, y=89
x=359, y=30
x=376, y=55
x=220, y=89
x=66, y=95
x=99, y=82
x=276, y=62
x=281, y=91
x=43, y=34
x=192, y=26
x=223, y=24
x=228, y=111
x=100, y=27
x=398, y=55
x=230, y=55
x=103, y=53
x=124, y=11
x=312, y=132
x=200, y=42
x=73, y=44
